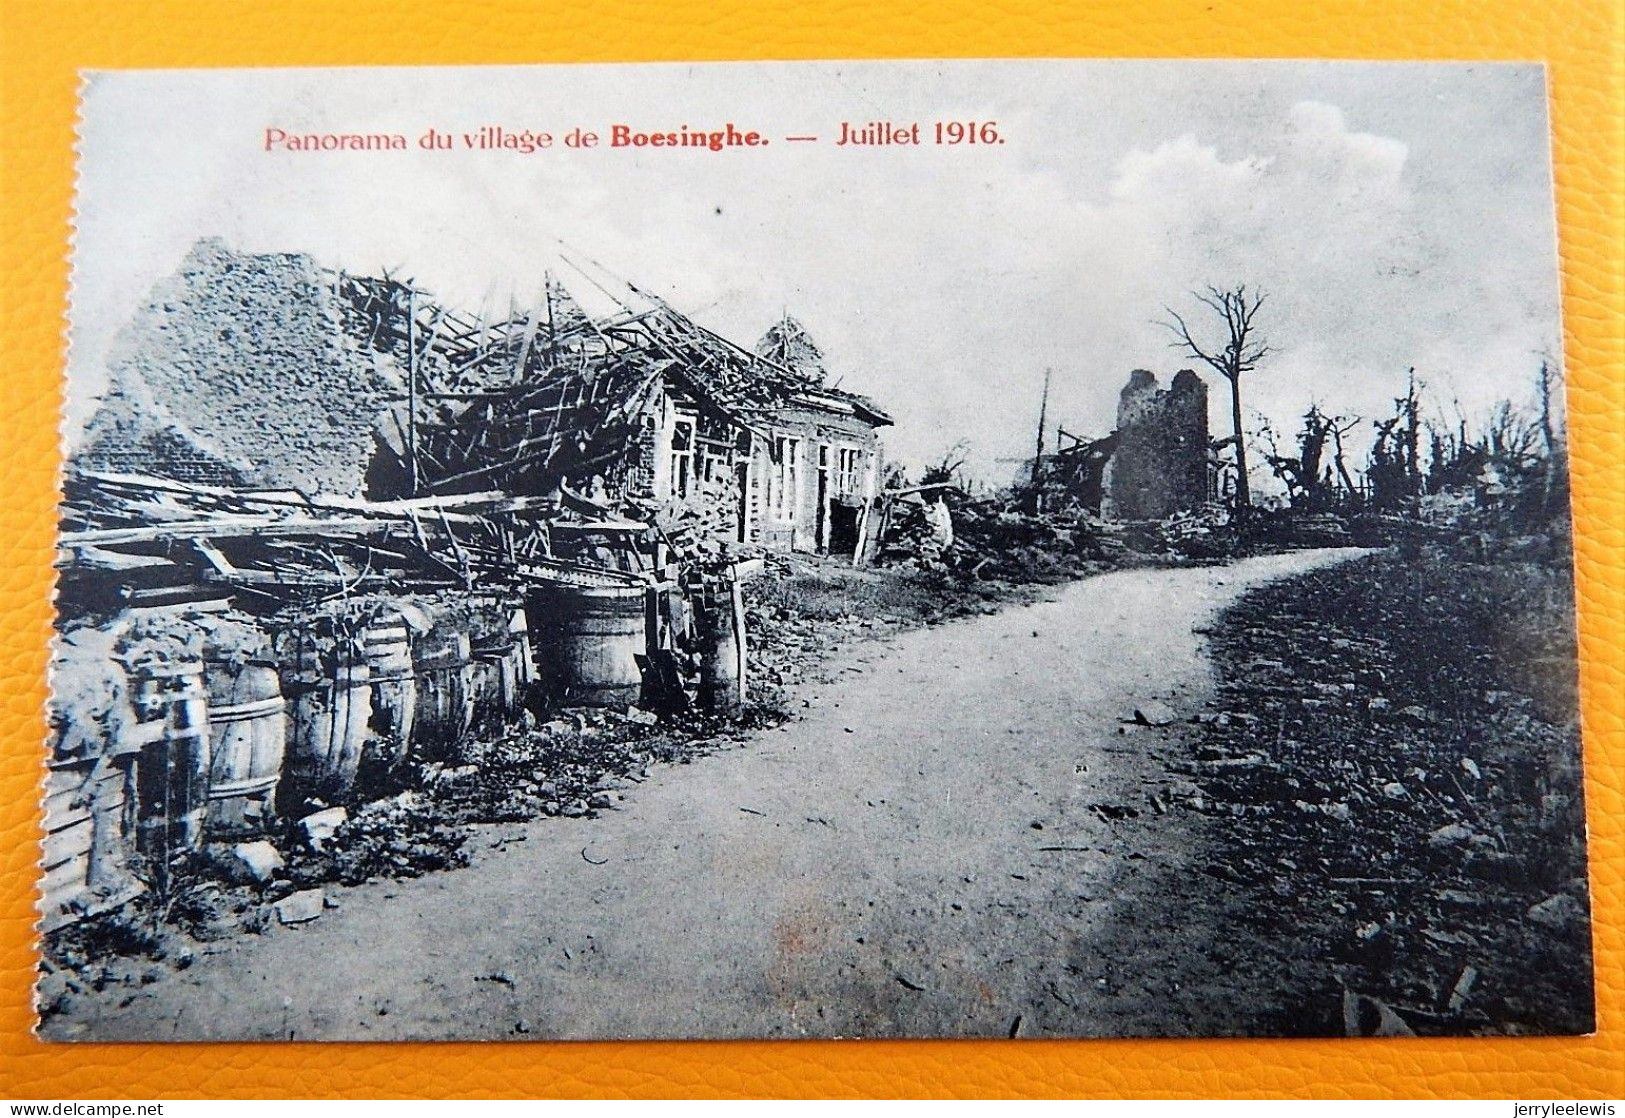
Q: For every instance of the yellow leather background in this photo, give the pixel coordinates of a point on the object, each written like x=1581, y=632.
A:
x=43, y=44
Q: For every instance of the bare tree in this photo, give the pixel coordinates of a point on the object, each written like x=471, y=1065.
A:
x=1237, y=353
x=1340, y=426
x=1395, y=470
x=1549, y=436
x=1513, y=438
x=1287, y=469
x=1310, y=479
x=945, y=471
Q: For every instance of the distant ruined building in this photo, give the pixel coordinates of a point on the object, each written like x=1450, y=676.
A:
x=1158, y=462
x=1159, y=466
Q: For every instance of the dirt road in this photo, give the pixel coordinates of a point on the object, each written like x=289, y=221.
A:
x=961, y=837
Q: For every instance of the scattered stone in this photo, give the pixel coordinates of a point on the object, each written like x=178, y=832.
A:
x=1451, y=834
x=1338, y=811
x=318, y=829
x=1470, y=767
x=601, y=800
x=298, y=908
x=1560, y=913
x=1463, y=988
x=1154, y=713
x=1364, y=1015
x=259, y=860
x=1394, y=790
x=1246, y=760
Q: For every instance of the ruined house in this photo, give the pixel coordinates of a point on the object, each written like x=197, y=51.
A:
x=649, y=412
x=820, y=463
x=311, y=499
x=270, y=372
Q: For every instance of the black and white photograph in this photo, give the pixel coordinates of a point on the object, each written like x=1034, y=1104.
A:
x=1000, y=549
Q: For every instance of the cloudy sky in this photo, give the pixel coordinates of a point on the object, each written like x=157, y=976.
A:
x=1396, y=214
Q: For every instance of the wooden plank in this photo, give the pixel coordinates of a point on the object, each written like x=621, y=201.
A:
x=231, y=526
x=67, y=804
x=68, y=842
x=64, y=880
x=99, y=559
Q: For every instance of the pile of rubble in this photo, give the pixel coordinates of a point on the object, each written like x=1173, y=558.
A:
x=1395, y=773
x=1005, y=537
x=806, y=611
x=579, y=763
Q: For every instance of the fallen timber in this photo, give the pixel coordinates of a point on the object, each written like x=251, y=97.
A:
x=173, y=591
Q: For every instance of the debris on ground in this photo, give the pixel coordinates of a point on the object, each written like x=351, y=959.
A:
x=1154, y=713
x=260, y=861
x=1440, y=864
x=318, y=829
x=301, y=907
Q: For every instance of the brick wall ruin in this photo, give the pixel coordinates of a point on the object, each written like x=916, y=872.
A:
x=1159, y=467
x=229, y=373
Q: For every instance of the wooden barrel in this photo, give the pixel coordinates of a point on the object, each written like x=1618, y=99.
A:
x=172, y=770
x=598, y=632
x=387, y=647
x=440, y=659
x=327, y=686
x=90, y=792
x=88, y=822
x=247, y=739
x=720, y=630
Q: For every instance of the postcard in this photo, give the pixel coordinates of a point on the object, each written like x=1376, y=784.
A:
x=843, y=549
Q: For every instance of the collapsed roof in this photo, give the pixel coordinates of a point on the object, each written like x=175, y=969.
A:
x=267, y=371
x=556, y=396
